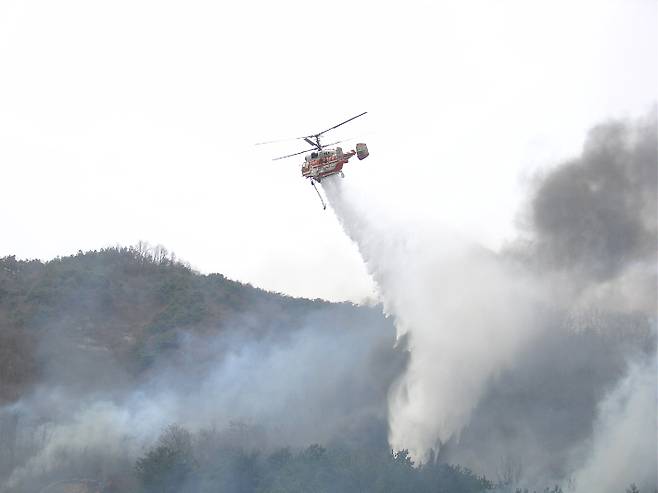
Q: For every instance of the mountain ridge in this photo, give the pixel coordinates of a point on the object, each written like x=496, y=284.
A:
x=131, y=302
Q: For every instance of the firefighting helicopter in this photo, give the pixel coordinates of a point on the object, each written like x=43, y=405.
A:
x=322, y=160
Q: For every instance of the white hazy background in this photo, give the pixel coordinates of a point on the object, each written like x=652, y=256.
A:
x=125, y=121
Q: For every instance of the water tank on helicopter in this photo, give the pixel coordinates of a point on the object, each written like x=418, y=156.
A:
x=362, y=151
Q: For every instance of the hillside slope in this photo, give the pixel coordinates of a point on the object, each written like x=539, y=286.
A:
x=126, y=308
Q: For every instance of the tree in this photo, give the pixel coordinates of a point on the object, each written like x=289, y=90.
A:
x=168, y=465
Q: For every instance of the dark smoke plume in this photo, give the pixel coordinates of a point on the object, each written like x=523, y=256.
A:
x=519, y=362
x=596, y=214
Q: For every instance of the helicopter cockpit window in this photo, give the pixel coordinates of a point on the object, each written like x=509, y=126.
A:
x=314, y=154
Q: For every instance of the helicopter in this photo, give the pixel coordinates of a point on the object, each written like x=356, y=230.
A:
x=321, y=160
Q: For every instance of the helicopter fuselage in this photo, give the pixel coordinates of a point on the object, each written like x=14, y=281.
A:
x=327, y=162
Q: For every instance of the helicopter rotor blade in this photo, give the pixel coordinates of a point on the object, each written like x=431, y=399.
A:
x=295, y=154
x=331, y=144
x=336, y=126
x=338, y=142
x=308, y=137
x=311, y=142
x=275, y=141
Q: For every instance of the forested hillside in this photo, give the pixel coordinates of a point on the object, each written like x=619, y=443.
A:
x=124, y=370
x=127, y=304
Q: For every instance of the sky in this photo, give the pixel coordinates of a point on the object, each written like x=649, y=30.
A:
x=135, y=120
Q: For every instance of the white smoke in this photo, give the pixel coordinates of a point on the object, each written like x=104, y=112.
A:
x=271, y=383
x=468, y=314
x=102, y=428
x=465, y=314
x=623, y=448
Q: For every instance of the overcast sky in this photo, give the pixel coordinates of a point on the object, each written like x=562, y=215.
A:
x=135, y=120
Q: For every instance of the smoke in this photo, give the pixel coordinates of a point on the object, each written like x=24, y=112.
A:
x=465, y=312
x=505, y=347
x=535, y=421
x=623, y=446
x=595, y=228
x=324, y=382
x=596, y=214
x=591, y=222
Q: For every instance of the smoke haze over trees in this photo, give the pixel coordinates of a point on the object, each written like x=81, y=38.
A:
x=533, y=366
x=515, y=357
